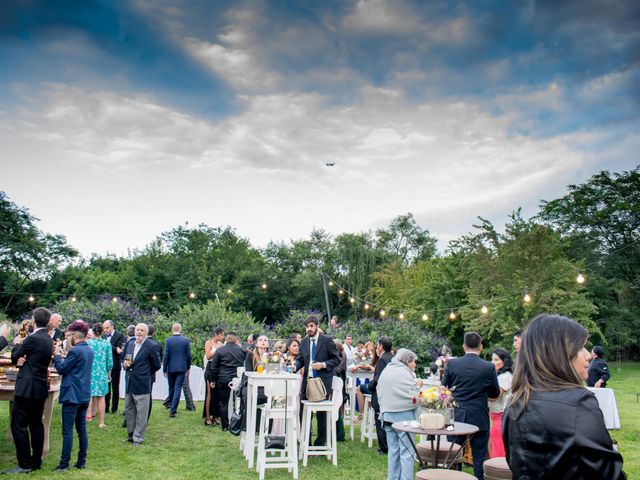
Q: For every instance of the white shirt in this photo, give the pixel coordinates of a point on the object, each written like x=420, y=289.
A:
x=348, y=351
x=136, y=347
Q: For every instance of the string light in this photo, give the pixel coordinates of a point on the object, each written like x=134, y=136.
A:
x=229, y=291
x=154, y=297
x=527, y=297
x=192, y=295
x=401, y=316
x=340, y=292
x=263, y=286
x=114, y=299
x=425, y=317
x=382, y=312
x=366, y=306
x=74, y=299
x=452, y=315
x=31, y=299
x=484, y=310
x=352, y=300
x=330, y=283
x=580, y=279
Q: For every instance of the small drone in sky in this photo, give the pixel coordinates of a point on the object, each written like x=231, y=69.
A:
x=330, y=164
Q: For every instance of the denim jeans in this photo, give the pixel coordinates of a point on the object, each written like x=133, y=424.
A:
x=74, y=414
x=401, y=454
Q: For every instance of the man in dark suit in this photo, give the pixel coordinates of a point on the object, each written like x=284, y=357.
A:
x=383, y=350
x=117, y=340
x=319, y=357
x=176, y=364
x=141, y=362
x=56, y=332
x=75, y=392
x=33, y=355
x=160, y=350
x=473, y=381
x=223, y=369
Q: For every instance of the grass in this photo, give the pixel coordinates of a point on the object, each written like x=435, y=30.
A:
x=183, y=448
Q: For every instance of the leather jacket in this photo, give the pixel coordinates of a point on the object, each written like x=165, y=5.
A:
x=560, y=435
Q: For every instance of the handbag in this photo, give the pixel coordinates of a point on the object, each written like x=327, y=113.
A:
x=277, y=442
x=316, y=391
x=235, y=423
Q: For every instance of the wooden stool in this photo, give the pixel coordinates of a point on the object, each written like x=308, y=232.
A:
x=496, y=469
x=443, y=474
x=425, y=452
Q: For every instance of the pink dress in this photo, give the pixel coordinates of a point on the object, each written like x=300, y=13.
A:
x=496, y=410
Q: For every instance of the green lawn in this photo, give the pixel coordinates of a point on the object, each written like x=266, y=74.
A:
x=185, y=448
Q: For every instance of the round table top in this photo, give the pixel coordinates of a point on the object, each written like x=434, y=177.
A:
x=459, y=428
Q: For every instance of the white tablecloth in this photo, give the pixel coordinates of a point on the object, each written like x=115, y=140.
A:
x=161, y=386
x=607, y=400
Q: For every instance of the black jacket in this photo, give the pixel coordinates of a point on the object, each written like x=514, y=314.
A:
x=473, y=381
x=32, y=377
x=3, y=343
x=598, y=370
x=327, y=352
x=141, y=374
x=382, y=362
x=560, y=435
x=224, y=364
x=117, y=340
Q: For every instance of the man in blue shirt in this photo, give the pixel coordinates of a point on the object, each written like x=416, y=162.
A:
x=75, y=391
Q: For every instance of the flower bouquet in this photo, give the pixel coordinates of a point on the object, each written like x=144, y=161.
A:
x=271, y=361
x=437, y=400
x=362, y=358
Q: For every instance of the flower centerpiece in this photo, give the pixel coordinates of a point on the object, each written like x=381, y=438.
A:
x=272, y=361
x=363, y=357
x=437, y=400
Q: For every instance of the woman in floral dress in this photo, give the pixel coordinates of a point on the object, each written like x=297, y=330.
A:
x=100, y=373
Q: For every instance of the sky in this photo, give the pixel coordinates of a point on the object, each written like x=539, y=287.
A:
x=120, y=120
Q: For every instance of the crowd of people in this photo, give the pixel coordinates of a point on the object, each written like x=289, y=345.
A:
x=531, y=408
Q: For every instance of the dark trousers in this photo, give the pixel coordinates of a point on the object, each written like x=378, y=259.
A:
x=26, y=418
x=381, y=433
x=113, y=395
x=74, y=414
x=176, y=379
x=321, y=417
x=188, y=396
x=223, y=392
x=479, y=446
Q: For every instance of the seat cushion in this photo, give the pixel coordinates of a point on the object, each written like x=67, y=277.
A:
x=424, y=449
x=442, y=474
x=497, y=469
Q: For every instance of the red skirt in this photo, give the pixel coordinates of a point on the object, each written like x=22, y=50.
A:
x=495, y=436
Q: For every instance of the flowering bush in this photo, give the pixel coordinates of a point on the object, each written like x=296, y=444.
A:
x=436, y=398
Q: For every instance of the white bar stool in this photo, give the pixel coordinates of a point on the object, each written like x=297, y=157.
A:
x=367, y=427
x=332, y=409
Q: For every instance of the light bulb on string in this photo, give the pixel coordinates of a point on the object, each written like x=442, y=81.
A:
x=452, y=315
x=330, y=283
x=526, y=298
x=31, y=299
x=341, y=292
x=366, y=306
x=154, y=297
x=484, y=310
x=192, y=295
x=382, y=312
x=352, y=300
x=425, y=317
x=401, y=316
x=114, y=299
x=74, y=299
x=263, y=286
x=580, y=279
x=229, y=291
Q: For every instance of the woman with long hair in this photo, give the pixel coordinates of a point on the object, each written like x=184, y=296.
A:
x=291, y=352
x=553, y=426
x=503, y=364
x=100, y=373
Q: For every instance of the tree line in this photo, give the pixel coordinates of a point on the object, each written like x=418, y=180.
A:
x=593, y=230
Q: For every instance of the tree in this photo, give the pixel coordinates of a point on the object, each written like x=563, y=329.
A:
x=406, y=240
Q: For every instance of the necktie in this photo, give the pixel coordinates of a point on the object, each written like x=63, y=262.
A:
x=313, y=356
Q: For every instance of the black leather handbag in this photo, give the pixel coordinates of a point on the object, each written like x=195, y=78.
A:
x=278, y=442
x=235, y=423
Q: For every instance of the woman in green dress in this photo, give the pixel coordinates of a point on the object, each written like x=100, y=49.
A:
x=100, y=373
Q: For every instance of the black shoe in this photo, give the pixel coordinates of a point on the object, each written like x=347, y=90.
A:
x=225, y=429
x=166, y=405
x=16, y=469
x=381, y=452
x=129, y=439
x=191, y=409
x=80, y=466
x=172, y=415
x=60, y=468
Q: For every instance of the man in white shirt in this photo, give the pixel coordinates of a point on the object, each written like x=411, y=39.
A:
x=349, y=349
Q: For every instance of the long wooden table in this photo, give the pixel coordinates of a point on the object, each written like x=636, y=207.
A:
x=6, y=394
